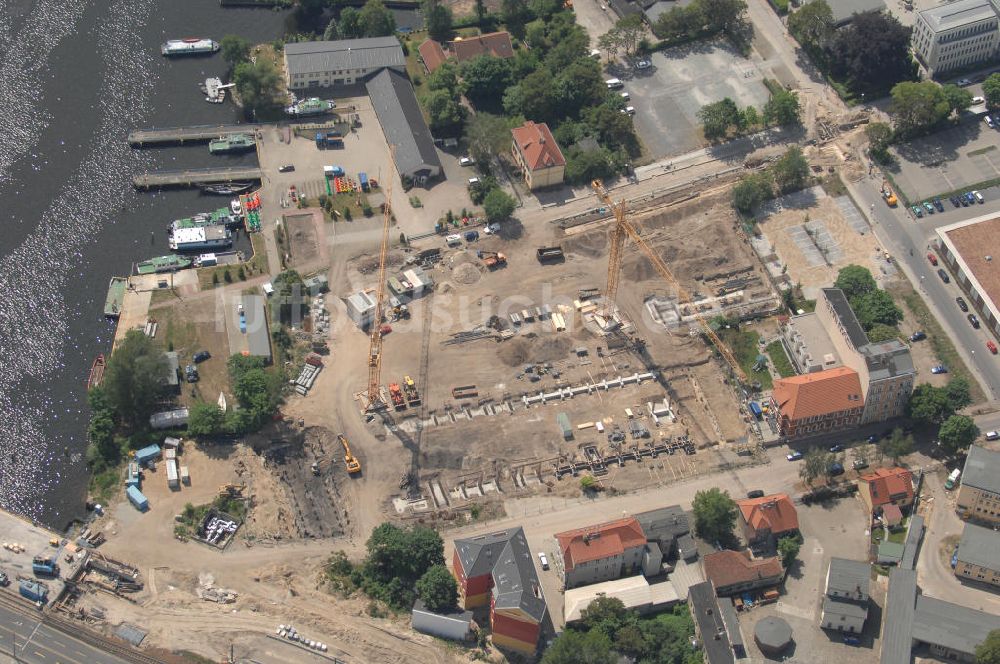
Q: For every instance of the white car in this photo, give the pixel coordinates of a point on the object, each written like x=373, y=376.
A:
x=988, y=120
x=473, y=181
x=543, y=560
x=491, y=229
x=643, y=64
x=624, y=95
x=466, y=161
x=594, y=53
x=962, y=82
x=977, y=101
x=453, y=240
x=629, y=110
x=614, y=84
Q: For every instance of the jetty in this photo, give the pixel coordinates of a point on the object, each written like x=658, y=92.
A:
x=194, y=176
x=176, y=135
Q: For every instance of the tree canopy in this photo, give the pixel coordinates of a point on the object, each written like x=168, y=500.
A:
x=752, y=190
x=872, y=52
x=204, y=419
x=791, y=171
x=437, y=589
x=438, y=19
x=782, y=109
x=991, y=91
x=235, y=49
x=498, y=205
x=812, y=25
x=134, y=380
x=931, y=404
x=876, y=308
x=897, y=445
x=257, y=84
x=919, y=108
x=397, y=559
x=484, y=80
x=957, y=433
x=717, y=117
x=988, y=652
x=788, y=549
x=855, y=280
x=714, y=515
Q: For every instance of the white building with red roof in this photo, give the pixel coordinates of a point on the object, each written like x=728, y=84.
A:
x=538, y=155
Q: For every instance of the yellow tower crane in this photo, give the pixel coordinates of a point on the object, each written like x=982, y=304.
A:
x=374, y=396
x=624, y=228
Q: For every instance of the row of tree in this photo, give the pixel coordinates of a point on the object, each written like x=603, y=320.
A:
x=702, y=18
x=873, y=307
x=789, y=173
x=724, y=118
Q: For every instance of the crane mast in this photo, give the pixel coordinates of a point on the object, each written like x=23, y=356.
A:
x=624, y=228
x=374, y=395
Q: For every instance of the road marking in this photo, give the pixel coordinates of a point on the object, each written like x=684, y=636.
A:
x=40, y=654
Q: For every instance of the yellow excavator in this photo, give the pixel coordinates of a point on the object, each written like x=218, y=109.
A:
x=353, y=465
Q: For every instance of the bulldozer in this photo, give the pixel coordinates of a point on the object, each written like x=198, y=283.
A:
x=352, y=464
x=232, y=490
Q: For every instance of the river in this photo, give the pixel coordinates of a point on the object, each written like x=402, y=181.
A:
x=75, y=77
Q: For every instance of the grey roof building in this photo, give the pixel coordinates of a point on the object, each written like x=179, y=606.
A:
x=951, y=631
x=911, y=547
x=171, y=375
x=982, y=469
x=248, y=331
x=403, y=124
x=980, y=546
x=710, y=625
x=897, y=631
x=670, y=529
x=845, y=607
x=844, y=10
x=342, y=62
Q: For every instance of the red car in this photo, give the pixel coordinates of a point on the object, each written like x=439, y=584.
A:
x=932, y=258
x=992, y=346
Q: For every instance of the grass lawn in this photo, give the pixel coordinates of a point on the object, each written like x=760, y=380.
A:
x=746, y=347
x=779, y=358
x=255, y=265
x=355, y=202
x=944, y=349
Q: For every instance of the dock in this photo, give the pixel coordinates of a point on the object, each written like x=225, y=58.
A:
x=192, y=176
x=175, y=135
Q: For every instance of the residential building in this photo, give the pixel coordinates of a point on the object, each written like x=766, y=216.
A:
x=497, y=569
x=404, y=127
x=669, y=529
x=885, y=369
x=979, y=555
x=455, y=625
x=342, y=62
x=845, y=604
x=979, y=494
x=709, y=624
x=735, y=572
x=816, y=403
x=767, y=519
x=602, y=552
x=492, y=44
x=635, y=592
x=538, y=155
x=886, y=486
x=845, y=10
x=955, y=35
x=892, y=516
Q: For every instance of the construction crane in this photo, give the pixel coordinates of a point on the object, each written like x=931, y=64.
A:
x=353, y=465
x=624, y=228
x=374, y=396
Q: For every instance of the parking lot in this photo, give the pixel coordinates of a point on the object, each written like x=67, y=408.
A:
x=955, y=159
x=668, y=96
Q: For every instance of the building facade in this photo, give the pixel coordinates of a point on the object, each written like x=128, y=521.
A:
x=766, y=519
x=955, y=35
x=601, y=553
x=819, y=402
x=886, y=486
x=341, y=62
x=978, y=557
x=845, y=601
x=537, y=154
x=979, y=494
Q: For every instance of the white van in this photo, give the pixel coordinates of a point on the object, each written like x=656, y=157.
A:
x=992, y=435
x=614, y=84
x=268, y=289
x=453, y=240
x=543, y=560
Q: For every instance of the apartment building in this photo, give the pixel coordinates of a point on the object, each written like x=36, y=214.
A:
x=884, y=487
x=602, y=552
x=538, y=155
x=955, y=35
x=819, y=402
x=979, y=495
x=978, y=557
x=845, y=601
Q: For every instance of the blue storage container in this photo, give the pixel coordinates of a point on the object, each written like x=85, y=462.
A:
x=137, y=499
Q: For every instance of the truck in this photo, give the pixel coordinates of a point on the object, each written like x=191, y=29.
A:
x=493, y=259
x=363, y=181
x=320, y=140
x=410, y=391
x=549, y=254
x=33, y=590
x=396, y=394
x=464, y=392
x=44, y=565
x=952, y=479
x=333, y=171
x=756, y=410
x=888, y=195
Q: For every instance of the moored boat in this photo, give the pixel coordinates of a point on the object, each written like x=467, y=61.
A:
x=311, y=106
x=159, y=264
x=96, y=372
x=232, y=143
x=116, y=296
x=228, y=189
x=189, y=46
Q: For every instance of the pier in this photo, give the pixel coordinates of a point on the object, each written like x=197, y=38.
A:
x=192, y=176
x=175, y=135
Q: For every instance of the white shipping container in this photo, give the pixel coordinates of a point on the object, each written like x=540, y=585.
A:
x=172, y=473
x=185, y=477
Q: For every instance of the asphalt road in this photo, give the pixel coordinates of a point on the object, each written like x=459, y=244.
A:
x=907, y=241
x=39, y=644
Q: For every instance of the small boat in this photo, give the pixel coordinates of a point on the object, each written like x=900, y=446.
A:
x=215, y=91
x=311, y=106
x=160, y=264
x=232, y=143
x=227, y=189
x=236, y=206
x=189, y=46
x=116, y=296
x=96, y=372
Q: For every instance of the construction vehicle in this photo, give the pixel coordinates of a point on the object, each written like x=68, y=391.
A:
x=352, y=464
x=888, y=194
x=396, y=395
x=374, y=395
x=549, y=254
x=492, y=259
x=232, y=490
x=624, y=228
x=410, y=391
x=44, y=565
x=464, y=392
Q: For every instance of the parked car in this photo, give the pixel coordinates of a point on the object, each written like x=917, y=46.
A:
x=962, y=303
x=471, y=236
x=473, y=181
x=939, y=369
x=3, y=579
x=993, y=435
x=932, y=258
x=453, y=240
x=944, y=276
x=990, y=346
x=918, y=336
x=979, y=197
x=287, y=168
x=928, y=207
x=973, y=320
x=629, y=110
x=917, y=210
x=978, y=100
x=954, y=201
x=466, y=161
x=756, y=493
x=614, y=84
x=625, y=96
x=794, y=456
x=963, y=200
x=988, y=120
x=860, y=464
x=970, y=197
x=938, y=204
x=201, y=356
x=543, y=560
x=837, y=448
x=191, y=374
x=643, y=64
x=962, y=82
x=491, y=229
x=852, y=641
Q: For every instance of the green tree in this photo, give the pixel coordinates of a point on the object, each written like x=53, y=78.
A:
x=235, y=49
x=610, y=42
x=788, y=549
x=991, y=91
x=584, y=166
x=612, y=128
x=876, y=308
x=714, y=515
x=728, y=16
x=929, y=404
x=782, y=109
x=717, y=117
x=350, y=24
x=812, y=25
x=630, y=30
x=134, y=380
x=258, y=84
x=587, y=483
x=607, y=615
x=872, y=53
x=205, y=419
x=484, y=80
x=438, y=20
x=536, y=97
x=751, y=117
x=437, y=589
x=103, y=451
x=487, y=136
x=515, y=15
x=881, y=332
x=573, y=647
x=957, y=391
x=814, y=464
x=289, y=298
x=897, y=445
x=988, y=652
x=498, y=205
x=752, y=190
x=918, y=108
x=377, y=20
x=444, y=78
x=791, y=171
x=446, y=114
x=957, y=433
x=855, y=281
x=879, y=137
x=958, y=98
x=332, y=32
x=480, y=12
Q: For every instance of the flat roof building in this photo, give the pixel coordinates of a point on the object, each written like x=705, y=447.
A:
x=635, y=592
x=979, y=494
x=171, y=375
x=246, y=323
x=341, y=62
x=955, y=35
x=844, y=10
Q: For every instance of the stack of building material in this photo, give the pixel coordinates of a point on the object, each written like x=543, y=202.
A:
x=310, y=370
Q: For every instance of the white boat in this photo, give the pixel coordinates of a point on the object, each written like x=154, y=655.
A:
x=236, y=206
x=215, y=91
x=222, y=401
x=189, y=46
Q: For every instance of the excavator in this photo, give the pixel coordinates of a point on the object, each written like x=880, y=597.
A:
x=353, y=465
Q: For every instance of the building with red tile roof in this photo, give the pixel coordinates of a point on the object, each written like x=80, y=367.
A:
x=768, y=518
x=538, y=155
x=818, y=402
x=602, y=552
x=493, y=44
x=734, y=572
x=886, y=486
x=433, y=55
